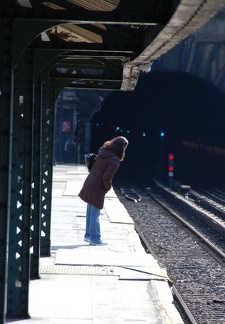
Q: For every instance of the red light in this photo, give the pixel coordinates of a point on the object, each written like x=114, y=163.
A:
x=170, y=164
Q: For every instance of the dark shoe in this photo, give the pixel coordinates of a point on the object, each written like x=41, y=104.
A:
x=99, y=243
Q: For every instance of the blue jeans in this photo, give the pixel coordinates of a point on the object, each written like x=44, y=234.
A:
x=92, y=223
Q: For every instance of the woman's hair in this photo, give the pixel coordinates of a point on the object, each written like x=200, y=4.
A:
x=117, y=145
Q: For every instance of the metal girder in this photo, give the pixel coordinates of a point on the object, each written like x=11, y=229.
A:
x=83, y=78
x=107, y=55
x=32, y=28
x=128, y=12
x=48, y=116
x=75, y=71
x=97, y=61
x=60, y=84
x=92, y=85
x=47, y=67
x=36, y=190
x=69, y=65
x=43, y=59
x=21, y=198
x=6, y=111
x=122, y=49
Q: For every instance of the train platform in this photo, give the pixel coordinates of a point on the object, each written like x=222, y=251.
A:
x=81, y=284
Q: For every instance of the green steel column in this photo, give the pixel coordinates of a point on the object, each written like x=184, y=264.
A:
x=36, y=211
x=48, y=117
x=21, y=200
x=6, y=113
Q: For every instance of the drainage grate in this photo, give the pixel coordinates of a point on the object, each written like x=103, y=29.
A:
x=79, y=270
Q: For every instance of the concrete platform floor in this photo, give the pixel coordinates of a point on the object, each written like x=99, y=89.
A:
x=81, y=284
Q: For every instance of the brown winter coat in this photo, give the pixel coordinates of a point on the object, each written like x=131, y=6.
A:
x=99, y=180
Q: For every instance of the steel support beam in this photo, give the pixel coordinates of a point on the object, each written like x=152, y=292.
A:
x=36, y=190
x=128, y=12
x=44, y=59
x=48, y=118
x=108, y=47
x=32, y=28
x=21, y=198
x=89, y=85
x=6, y=113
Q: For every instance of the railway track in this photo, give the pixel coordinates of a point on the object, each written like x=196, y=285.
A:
x=209, y=202
x=130, y=194
x=192, y=251
x=207, y=218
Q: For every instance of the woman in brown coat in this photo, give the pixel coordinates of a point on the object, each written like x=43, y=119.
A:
x=99, y=182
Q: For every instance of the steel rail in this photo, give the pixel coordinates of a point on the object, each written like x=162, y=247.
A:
x=131, y=192
x=186, y=312
x=215, y=252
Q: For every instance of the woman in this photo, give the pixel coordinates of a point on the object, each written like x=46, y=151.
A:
x=98, y=183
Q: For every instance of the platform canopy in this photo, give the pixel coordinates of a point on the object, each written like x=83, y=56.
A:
x=103, y=44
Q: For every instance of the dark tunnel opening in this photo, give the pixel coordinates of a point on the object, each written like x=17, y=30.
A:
x=184, y=107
